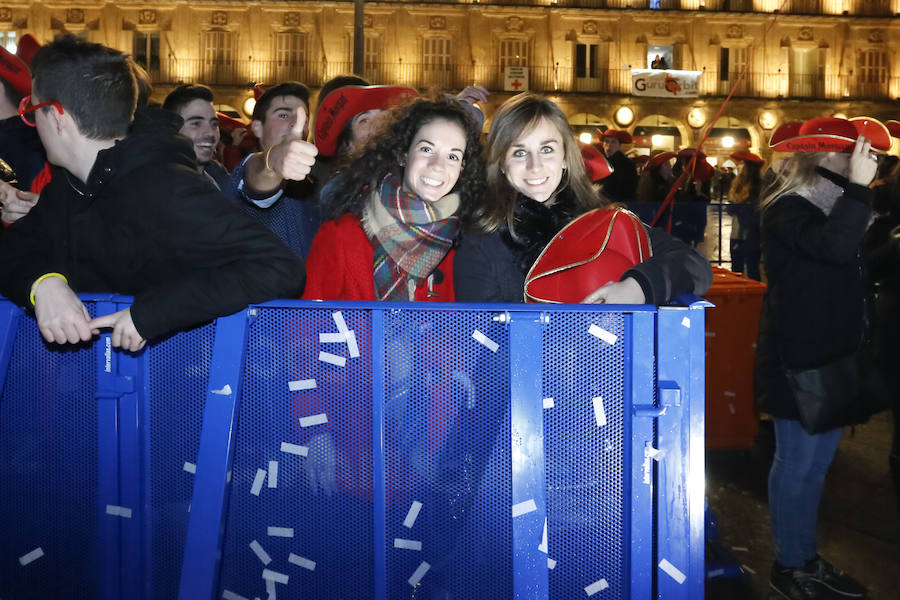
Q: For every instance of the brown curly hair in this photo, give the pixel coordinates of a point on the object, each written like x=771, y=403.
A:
x=386, y=152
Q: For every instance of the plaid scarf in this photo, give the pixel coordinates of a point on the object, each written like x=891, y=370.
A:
x=411, y=237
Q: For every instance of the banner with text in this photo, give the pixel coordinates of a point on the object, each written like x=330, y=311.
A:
x=665, y=83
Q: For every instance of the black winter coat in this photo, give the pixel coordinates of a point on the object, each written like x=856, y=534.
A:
x=816, y=305
x=492, y=267
x=147, y=223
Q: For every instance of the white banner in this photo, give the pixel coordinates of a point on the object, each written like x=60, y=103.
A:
x=515, y=79
x=665, y=83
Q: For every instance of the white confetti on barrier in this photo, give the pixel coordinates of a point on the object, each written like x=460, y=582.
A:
x=273, y=474
x=543, y=547
x=715, y=573
x=418, y=574
x=333, y=359
x=190, y=467
x=229, y=595
x=599, y=411
x=730, y=394
x=412, y=514
x=607, y=336
x=287, y=532
x=332, y=338
x=31, y=556
x=485, y=341
x=407, y=544
x=523, y=508
x=731, y=408
x=225, y=391
x=686, y=322
x=118, y=511
x=748, y=569
x=275, y=576
x=301, y=384
x=260, y=553
x=258, y=482
x=597, y=586
x=319, y=419
x=551, y=564
x=339, y=322
x=672, y=571
x=548, y=403
x=270, y=590
x=655, y=454
x=294, y=449
x=302, y=562
x=352, y=346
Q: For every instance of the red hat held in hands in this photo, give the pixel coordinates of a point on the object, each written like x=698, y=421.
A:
x=595, y=163
x=832, y=134
x=746, y=156
x=623, y=136
x=14, y=71
x=344, y=103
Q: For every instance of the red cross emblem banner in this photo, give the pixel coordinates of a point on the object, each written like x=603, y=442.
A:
x=515, y=79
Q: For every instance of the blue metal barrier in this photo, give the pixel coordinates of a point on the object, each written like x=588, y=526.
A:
x=358, y=450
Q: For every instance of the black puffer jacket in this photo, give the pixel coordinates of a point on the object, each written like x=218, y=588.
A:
x=492, y=267
x=147, y=223
x=816, y=305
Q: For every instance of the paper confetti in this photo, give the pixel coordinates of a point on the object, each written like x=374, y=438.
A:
x=599, y=412
x=225, y=391
x=332, y=338
x=302, y=562
x=258, y=482
x=413, y=514
x=597, y=586
x=118, y=511
x=273, y=474
x=319, y=419
x=548, y=403
x=275, y=576
x=339, y=322
x=523, y=508
x=485, y=341
x=229, y=595
x=672, y=571
x=294, y=449
x=334, y=359
x=686, y=322
x=606, y=336
x=418, y=574
x=287, y=532
x=407, y=544
x=31, y=556
x=301, y=384
x=190, y=467
x=261, y=554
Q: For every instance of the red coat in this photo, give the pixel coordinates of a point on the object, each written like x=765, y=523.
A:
x=341, y=266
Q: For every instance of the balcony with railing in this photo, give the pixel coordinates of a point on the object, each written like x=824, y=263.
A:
x=555, y=79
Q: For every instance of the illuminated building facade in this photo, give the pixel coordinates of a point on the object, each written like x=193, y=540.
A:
x=819, y=58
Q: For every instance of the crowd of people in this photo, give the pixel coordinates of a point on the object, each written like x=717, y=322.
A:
x=383, y=194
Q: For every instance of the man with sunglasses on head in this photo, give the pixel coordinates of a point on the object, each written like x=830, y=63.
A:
x=127, y=212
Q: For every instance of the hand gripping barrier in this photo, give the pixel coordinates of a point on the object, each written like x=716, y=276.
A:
x=358, y=450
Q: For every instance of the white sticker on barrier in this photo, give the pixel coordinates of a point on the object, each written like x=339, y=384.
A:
x=319, y=419
x=31, y=556
x=260, y=553
x=275, y=576
x=607, y=336
x=551, y=564
x=258, y=482
x=294, y=449
x=190, y=467
x=272, y=477
x=225, y=391
x=407, y=544
x=599, y=411
x=548, y=403
x=672, y=571
x=352, y=346
x=229, y=595
x=333, y=359
x=302, y=562
x=301, y=384
x=543, y=547
x=686, y=322
x=287, y=532
x=118, y=511
x=413, y=514
x=485, y=341
x=523, y=508
x=418, y=574
x=339, y=322
x=597, y=586
x=332, y=338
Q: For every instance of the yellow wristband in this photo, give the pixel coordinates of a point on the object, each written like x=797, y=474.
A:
x=40, y=279
x=266, y=156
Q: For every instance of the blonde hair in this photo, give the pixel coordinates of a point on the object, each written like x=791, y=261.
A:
x=798, y=172
x=514, y=118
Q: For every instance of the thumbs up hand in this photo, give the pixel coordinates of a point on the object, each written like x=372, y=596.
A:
x=293, y=157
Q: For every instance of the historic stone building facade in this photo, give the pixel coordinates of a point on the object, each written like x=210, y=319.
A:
x=817, y=58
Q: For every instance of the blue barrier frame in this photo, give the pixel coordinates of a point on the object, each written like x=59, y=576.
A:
x=671, y=488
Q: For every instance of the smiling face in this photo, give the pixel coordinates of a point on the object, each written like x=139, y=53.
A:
x=434, y=160
x=534, y=162
x=201, y=125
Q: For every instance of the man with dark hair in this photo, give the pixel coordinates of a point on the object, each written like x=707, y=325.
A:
x=621, y=186
x=271, y=183
x=127, y=212
x=194, y=104
x=20, y=147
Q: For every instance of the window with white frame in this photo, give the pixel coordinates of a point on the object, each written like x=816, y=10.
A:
x=513, y=53
x=436, y=53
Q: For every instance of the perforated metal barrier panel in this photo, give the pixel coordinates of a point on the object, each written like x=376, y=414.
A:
x=350, y=450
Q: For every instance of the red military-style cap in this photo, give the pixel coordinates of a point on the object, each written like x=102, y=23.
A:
x=746, y=156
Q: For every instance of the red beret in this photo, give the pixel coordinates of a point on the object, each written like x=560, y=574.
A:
x=27, y=47
x=623, y=136
x=746, y=156
x=13, y=70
